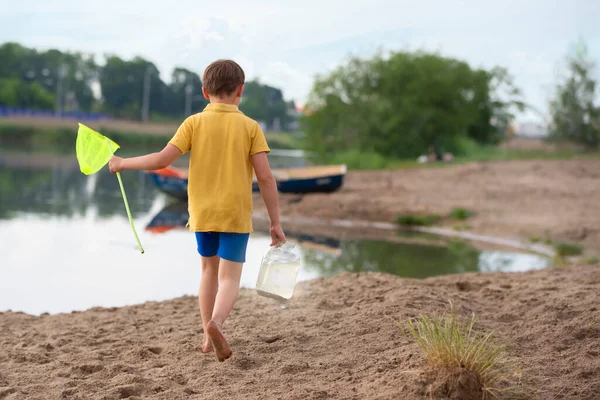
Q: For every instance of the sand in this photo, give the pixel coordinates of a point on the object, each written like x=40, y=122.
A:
x=513, y=199
x=336, y=339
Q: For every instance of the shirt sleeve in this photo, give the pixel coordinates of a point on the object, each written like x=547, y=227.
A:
x=259, y=143
x=183, y=137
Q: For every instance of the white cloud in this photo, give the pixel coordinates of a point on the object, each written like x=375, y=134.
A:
x=282, y=75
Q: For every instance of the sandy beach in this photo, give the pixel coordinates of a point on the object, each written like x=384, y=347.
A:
x=337, y=339
x=514, y=199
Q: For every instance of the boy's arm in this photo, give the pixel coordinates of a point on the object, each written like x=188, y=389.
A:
x=268, y=190
x=151, y=162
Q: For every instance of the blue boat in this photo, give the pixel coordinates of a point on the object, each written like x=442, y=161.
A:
x=303, y=180
x=172, y=181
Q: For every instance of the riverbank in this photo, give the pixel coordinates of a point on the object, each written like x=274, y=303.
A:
x=526, y=200
x=154, y=128
x=337, y=339
x=130, y=132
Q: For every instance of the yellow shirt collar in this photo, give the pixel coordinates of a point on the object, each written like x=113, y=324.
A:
x=220, y=107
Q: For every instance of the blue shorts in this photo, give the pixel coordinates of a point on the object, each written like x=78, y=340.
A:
x=228, y=246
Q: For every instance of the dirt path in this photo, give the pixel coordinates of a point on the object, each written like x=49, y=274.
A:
x=517, y=199
x=337, y=339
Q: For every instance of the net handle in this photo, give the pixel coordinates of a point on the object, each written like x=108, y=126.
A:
x=126, y=203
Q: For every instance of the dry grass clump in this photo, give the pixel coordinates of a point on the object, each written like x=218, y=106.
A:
x=467, y=363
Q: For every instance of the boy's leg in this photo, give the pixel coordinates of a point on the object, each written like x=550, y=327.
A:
x=208, y=246
x=232, y=251
x=209, y=285
x=229, y=286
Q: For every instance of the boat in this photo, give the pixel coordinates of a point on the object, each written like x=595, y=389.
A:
x=172, y=181
x=172, y=216
x=301, y=180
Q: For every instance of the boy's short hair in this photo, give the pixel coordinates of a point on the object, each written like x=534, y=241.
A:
x=222, y=77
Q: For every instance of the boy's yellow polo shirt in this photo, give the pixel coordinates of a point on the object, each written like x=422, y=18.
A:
x=220, y=140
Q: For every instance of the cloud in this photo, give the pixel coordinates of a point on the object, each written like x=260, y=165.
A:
x=280, y=74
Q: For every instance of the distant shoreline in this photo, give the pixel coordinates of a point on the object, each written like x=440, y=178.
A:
x=153, y=128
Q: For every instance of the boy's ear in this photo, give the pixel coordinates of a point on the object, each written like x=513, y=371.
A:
x=205, y=93
x=240, y=90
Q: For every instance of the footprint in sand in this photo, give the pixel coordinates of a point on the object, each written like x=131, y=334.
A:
x=126, y=392
x=155, y=350
x=272, y=339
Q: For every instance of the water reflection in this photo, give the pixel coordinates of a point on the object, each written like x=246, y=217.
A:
x=66, y=242
x=404, y=259
x=42, y=184
x=407, y=254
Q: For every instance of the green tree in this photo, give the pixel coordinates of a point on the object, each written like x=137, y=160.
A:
x=400, y=105
x=175, y=97
x=265, y=103
x=122, y=84
x=76, y=72
x=30, y=78
x=17, y=93
x=574, y=112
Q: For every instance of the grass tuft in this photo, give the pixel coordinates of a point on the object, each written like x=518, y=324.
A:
x=535, y=239
x=461, y=214
x=592, y=260
x=449, y=343
x=564, y=249
x=418, y=219
x=461, y=227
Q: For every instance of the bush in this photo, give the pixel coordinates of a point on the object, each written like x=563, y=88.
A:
x=418, y=220
x=461, y=214
x=564, y=249
x=460, y=146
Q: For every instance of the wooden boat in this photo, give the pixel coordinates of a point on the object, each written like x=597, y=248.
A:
x=317, y=179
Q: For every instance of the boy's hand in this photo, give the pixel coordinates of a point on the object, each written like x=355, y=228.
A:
x=115, y=164
x=277, y=235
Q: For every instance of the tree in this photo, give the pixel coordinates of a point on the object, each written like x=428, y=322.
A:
x=175, y=98
x=54, y=79
x=575, y=116
x=400, y=105
x=75, y=71
x=17, y=93
x=265, y=103
x=122, y=85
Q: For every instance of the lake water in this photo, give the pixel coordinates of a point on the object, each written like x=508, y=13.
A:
x=66, y=243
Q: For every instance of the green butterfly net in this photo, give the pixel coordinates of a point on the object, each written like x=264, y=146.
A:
x=94, y=151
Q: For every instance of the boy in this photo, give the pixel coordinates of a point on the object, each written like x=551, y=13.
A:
x=224, y=146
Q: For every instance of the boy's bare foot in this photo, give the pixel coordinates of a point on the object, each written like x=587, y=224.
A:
x=222, y=349
x=206, y=345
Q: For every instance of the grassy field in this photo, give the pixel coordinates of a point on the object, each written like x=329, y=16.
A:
x=498, y=154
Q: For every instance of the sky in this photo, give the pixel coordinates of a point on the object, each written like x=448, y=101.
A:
x=286, y=43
